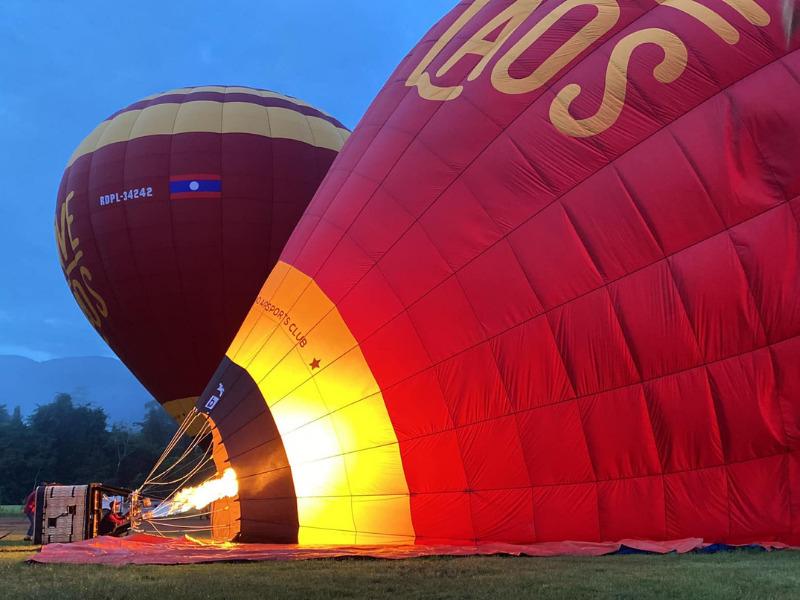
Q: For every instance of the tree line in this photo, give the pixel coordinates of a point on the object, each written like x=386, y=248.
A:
x=70, y=443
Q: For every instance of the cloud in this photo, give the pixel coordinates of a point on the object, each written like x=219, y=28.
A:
x=32, y=353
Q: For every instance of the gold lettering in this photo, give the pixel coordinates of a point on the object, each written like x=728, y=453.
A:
x=82, y=290
x=510, y=19
x=74, y=263
x=84, y=302
x=751, y=11
x=667, y=71
x=421, y=79
x=64, y=229
x=101, y=305
x=606, y=17
x=747, y=8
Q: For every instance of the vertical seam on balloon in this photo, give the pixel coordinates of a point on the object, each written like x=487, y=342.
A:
x=767, y=166
x=171, y=217
x=645, y=388
x=226, y=338
x=787, y=438
x=726, y=462
x=511, y=413
x=100, y=255
x=432, y=367
x=574, y=396
x=134, y=261
x=638, y=208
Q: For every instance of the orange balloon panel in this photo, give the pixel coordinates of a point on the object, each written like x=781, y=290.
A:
x=548, y=291
x=173, y=211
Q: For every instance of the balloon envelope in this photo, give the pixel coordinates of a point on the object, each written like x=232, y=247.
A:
x=547, y=292
x=172, y=212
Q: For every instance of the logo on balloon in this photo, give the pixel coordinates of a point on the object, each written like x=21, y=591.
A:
x=487, y=44
x=78, y=275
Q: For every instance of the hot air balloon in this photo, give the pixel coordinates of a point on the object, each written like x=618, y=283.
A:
x=549, y=291
x=172, y=212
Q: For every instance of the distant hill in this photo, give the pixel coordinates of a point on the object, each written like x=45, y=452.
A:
x=95, y=380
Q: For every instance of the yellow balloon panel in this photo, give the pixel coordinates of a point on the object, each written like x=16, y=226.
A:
x=327, y=406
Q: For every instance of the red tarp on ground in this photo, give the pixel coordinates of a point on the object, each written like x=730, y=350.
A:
x=152, y=550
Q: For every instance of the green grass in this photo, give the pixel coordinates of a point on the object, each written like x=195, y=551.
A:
x=10, y=509
x=743, y=574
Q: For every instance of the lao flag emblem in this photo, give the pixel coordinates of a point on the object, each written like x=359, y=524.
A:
x=198, y=185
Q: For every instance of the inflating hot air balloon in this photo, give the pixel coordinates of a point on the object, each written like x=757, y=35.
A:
x=172, y=212
x=549, y=291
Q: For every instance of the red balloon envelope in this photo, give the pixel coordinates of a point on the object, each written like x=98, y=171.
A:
x=549, y=291
x=173, y=211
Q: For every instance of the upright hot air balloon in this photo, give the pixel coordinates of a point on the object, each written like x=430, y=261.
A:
x=549, y=291
x=172, y=212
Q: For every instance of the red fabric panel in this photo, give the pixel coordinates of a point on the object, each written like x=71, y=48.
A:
x=554, y=445
x=433, y=526
x=759, y=493
x=748, y=410
x=684, y=421
x=618, y=434
x=434, y=464
x=769, y=248
x=496, y=274
x=420, y=406
x=592, y=343
x=632, y=507
x=566, y=512
x=467, y=236
x=656, y=326
x=504, y=515
x=468, y=402
x=547, y=246
x=531, y=366
x=444, y=337
x=678, y=210
x=610, y=226
x=488, y=444
x=713, y=287
x=405, y=277
x=786, y=361
x=397, y=351
x=698, y=501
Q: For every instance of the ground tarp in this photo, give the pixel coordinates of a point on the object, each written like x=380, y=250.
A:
x=152, y=550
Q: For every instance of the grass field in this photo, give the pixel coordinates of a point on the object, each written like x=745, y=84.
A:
x=742, y=574
x=10, y=509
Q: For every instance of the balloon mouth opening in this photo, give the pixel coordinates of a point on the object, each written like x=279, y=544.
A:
x=192, y=489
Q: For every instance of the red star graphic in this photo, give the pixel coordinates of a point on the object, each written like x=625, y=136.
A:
x=314, y=364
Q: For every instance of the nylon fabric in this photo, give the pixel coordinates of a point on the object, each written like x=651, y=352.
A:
x=574, y=285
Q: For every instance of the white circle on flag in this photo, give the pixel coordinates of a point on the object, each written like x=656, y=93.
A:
x=194, y=186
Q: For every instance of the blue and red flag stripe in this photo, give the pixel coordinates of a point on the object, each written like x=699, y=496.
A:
x=195, y=185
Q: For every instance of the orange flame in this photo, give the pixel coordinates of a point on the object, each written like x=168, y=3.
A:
x=200, y=496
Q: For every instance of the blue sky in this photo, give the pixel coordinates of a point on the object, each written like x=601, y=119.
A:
x=67, y=65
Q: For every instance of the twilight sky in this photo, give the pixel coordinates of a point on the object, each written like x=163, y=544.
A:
x=67, y=65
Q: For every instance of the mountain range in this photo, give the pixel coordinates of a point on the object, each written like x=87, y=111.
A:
x=96, y=380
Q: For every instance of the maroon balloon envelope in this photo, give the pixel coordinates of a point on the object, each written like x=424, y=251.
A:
x=171, y=213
